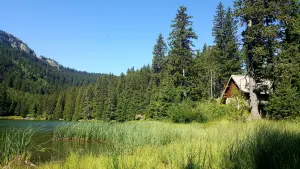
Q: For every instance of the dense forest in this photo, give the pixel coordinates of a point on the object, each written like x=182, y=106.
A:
x=180, y=78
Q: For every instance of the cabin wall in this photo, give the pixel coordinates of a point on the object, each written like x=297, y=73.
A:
x=228, y=92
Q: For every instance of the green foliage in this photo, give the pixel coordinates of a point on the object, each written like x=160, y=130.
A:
x=270, y=43
x=181, y=113
x=256, y=144
x=181, y=42
x=159, y=55
x=212, y=110
x=4, y=101
x=239, y=106
x=26, y=72
x=16, y=144
x=227, y=56
x=284, y=103
x=118, y=135
x=205, y=111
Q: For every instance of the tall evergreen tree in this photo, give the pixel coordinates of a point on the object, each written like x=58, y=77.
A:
x=159, y=54
x=59, y=108
x=78, y=112
x=285, y=100
x=260, y=42
x=181, y=56
x=69, y=104
x=4, y=101
x=226, y=46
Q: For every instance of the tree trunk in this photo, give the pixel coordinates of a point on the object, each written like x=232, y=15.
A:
x=253, y=100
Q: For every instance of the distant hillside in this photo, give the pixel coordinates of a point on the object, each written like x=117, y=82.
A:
x=22, y=70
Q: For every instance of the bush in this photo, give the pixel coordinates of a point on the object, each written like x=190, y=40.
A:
x=202, y=112
x=182, y=113
x=284, y=103
x=211, y=110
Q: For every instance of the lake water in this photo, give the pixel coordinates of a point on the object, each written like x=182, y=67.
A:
x=55, y=150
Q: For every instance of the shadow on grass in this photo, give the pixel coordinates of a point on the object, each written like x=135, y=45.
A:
x=269, y=147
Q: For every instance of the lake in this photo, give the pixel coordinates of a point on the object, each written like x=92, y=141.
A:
x=54, y=150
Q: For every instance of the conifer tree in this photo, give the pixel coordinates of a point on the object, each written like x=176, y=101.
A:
x=181, y=56
x=285, y=100
x=69, y=104
x=4, y=101
x=159, y=55
x=260, y=42
x=226, y=46
x=59, y=108
x=78, y=112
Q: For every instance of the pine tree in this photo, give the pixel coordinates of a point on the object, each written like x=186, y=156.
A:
x=4, y=101
x=78, y=105
x=285, y=100
x=159, y=54
x=181, y=56
x=219, y=29
x=69, y=104
x=59, y=108
x=260, y=42
x=226, y=46
x=87, y=102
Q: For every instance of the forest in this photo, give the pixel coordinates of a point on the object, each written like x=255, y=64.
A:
x=183, y=83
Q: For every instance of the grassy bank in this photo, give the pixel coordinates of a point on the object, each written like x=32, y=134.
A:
x=16, y=146
x=260, y=144
x=11, y=118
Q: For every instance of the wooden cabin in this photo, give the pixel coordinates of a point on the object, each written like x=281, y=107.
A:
x=241, y=83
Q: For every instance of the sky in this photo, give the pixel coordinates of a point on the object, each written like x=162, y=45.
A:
x=102, y=36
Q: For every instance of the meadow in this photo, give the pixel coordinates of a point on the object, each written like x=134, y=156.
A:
x=149, y=144
x=153, y=144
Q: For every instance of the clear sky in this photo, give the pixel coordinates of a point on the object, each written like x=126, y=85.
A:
x=101, y=36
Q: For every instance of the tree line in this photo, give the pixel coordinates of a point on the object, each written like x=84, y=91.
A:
x=269, y=49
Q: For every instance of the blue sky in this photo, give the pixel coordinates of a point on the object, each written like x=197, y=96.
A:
x=101, y=36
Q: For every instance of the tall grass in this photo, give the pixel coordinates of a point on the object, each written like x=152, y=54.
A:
x=270, y=146
x=16, y=145
x=119, y=135
x=255, y=145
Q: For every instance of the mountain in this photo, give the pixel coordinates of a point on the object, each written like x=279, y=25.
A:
x=12, y=41
x=22, y=70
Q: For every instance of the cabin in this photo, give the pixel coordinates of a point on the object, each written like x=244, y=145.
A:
x=241, y=83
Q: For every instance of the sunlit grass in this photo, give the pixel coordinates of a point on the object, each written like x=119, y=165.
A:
x=16, y=145
x=260, y=144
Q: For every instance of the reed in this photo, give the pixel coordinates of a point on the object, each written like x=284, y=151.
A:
x=16, y=145
x=260, y=144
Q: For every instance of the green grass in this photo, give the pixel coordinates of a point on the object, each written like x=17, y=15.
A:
x=119, y=135
x=16, y=145
x=259, y=144
x=149, y=145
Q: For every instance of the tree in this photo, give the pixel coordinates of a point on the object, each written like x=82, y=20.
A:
x=204, y=72
x=70, y=104
x=226, y=46
x=181, y=56
x=59, y=108
x=78, y=105
x=87, y=102
x=4, y=101
x=260, y=42
x=285, y=99
x=159, y=54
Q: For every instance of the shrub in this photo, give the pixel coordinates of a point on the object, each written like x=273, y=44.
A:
x=211, y=110
x=182, y=113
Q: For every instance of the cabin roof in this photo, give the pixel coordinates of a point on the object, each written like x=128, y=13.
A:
x=242, y=82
